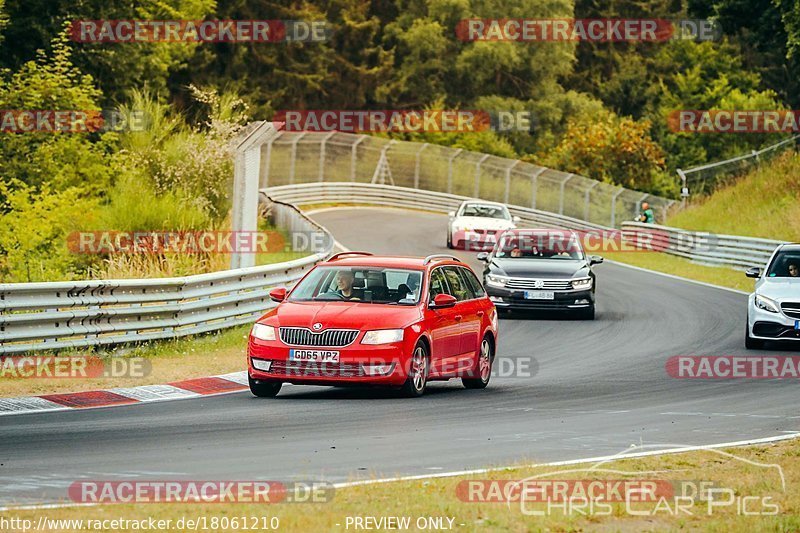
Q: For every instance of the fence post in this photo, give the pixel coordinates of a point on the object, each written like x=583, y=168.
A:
x=321, y=174
x=614, y=207
x=263, y=177
x=561, y=198
x=353, y=154
x=639, y=204
x=294, y=157
x=450, y=170
x=246, y=170
x=586, y=200
x=478, y=176
x=506, y=196
x=534, y=185
x=416, y=165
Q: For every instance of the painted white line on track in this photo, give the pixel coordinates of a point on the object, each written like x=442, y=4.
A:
x=605, y=458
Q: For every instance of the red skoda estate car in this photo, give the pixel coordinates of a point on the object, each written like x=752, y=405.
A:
x=364, y=319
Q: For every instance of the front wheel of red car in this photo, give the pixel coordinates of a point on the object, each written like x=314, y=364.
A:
x=264, y=389
x=484, y=367
x=417, y=378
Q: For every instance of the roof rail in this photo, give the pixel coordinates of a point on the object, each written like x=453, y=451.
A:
x=441, y=256
x=342, y=254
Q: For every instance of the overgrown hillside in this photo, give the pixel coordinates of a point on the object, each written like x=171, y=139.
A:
x=764, y=203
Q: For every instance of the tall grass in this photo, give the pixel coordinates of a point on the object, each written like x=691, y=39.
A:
x=764, y=203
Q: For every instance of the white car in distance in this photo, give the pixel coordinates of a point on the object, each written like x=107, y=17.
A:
x=476, y=224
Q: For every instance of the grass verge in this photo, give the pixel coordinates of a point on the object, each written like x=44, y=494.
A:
x=170, y=360
x=750, y=497
x=678, y=266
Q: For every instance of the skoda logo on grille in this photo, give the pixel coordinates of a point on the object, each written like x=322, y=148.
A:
x=317, y=326
x=538, y=284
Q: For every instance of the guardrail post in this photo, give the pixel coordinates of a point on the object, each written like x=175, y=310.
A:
x=561, y=198
x=353, y=157
x=507, y=194
x=416, y=165
x=614, y=207
x=586, y=200
x=534, y=185
x=321, y=174
x=450, y=170
x=478, y=176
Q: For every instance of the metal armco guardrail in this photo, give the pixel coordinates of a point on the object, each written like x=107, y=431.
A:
x=390, y=195
x=709, y=248
x=44, y=316
x=703, y=247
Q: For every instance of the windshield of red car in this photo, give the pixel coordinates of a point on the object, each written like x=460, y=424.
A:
x=360, y=285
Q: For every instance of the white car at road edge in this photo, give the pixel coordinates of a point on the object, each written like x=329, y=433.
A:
x=773, y=309
x=476, y=223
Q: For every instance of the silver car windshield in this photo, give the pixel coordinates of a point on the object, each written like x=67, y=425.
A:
x=785, y=265
x=486, y=211
x=539, y=246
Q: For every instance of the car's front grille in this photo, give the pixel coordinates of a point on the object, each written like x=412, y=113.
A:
x=303, y=369
x=791, y=309
x=327, y=338
x=539, y=284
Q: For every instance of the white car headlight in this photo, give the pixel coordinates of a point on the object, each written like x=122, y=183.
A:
x=762, y=302
x=382, y=336
x=262, y=332
x=583, y=283
x=497, y=281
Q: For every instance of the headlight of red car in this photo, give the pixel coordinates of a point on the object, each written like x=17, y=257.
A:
x=382, y=336
x=262, y=332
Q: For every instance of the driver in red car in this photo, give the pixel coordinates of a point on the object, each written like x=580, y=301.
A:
x=344, y=280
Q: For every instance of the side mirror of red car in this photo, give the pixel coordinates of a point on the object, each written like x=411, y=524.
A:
x=442, y=301
x=277, y=295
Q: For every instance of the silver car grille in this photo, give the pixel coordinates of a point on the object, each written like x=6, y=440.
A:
x=327, y=338
x=540, y=284
x=791, y=309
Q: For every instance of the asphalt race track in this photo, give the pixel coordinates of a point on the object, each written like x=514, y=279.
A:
x=600, y=387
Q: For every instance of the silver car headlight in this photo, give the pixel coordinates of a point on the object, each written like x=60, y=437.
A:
x=382, y=336
x=582, y=283
x=497, y=281
x=764, y=303
x=263, y=332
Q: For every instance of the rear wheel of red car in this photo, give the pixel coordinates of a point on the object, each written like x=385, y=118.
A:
x=417, y=378
x=264, y=389
x=484, y=367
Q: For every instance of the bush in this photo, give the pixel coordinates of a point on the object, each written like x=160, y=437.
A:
x=614, y=150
